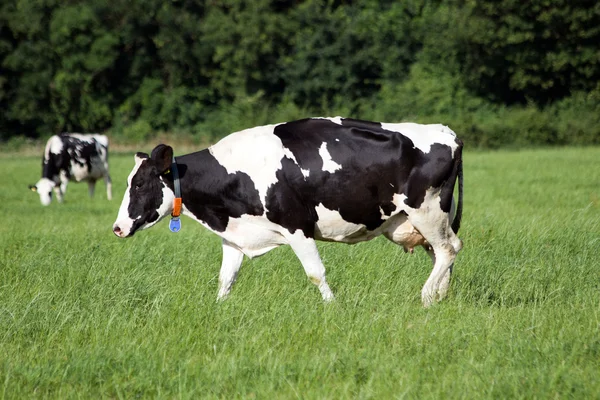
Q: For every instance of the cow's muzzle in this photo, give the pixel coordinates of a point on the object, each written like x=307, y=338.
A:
x=118, y=231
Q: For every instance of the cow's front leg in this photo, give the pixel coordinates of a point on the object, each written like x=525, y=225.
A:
x=230, y=266
x=108, y=183
x=64, y=180
x=308, y=254
x=58, y=190
x=91, y=187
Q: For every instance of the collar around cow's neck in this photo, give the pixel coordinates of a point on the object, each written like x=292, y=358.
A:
x=175, y=224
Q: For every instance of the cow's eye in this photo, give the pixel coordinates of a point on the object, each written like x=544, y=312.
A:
x=137, y=187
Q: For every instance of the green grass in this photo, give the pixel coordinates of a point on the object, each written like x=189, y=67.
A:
x=86, y=315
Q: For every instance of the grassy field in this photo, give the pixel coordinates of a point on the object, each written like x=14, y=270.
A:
x=86, y=315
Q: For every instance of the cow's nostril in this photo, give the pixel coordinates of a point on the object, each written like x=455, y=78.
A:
x=117, y=230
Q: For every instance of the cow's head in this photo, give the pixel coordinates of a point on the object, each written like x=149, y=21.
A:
x=148, y=198
x=44, y=189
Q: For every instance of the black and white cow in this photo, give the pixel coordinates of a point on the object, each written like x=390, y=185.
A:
x=73, y=157
x=332, y=179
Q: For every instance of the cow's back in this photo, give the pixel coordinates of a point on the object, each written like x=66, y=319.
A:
x=327, y=144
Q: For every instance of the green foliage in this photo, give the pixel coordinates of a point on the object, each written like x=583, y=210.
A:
x=138, y=132
x=578, y=117
x=246, y=40
x=428, y=91
x=85, y=50
x=27, y=68
x=536, y=51
x=245, y=112
x=87, y=315
x=195, y=67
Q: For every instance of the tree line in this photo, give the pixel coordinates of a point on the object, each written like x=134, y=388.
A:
x=499, y=73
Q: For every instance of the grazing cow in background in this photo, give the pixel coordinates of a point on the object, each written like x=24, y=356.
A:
x=76, y=157
x=331, y=179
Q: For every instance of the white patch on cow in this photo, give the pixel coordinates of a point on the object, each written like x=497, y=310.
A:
x=44, y=188
x=331, y=226
x=337, y=140
x=328, y=164
x=288, y=153
x=432, y=201
x=252, y=235
x=256, y=152
x=432, y=196
x=79, y=171
x=398, y=200
x=166, y=206
x=383, y=214
x=54, y=145
x=423, y=136
x=124, y=220
x=336, y=120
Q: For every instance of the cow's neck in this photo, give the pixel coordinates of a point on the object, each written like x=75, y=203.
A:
x=49, y=168
x=199, y=188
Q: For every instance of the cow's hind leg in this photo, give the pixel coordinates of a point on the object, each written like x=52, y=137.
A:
x=445, y=282
x=308, y=254
x=91, y=187
x=435, y=227
x=230, y=266
x=439, y=279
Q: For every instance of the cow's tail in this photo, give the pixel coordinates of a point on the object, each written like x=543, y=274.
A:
x=459, y=206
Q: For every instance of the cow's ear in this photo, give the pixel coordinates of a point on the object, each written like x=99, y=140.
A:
x=163, y=157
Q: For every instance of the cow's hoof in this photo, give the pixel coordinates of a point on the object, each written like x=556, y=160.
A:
x=329, y=299
x=428, y=299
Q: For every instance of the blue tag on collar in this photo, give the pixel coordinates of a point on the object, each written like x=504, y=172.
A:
x=175, y=224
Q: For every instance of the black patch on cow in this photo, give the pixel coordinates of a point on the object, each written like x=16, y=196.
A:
x=80, y=152
x=448, y=184
x=375, y=165
x=357, y=123
x=212, y=194
x=289, y=203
